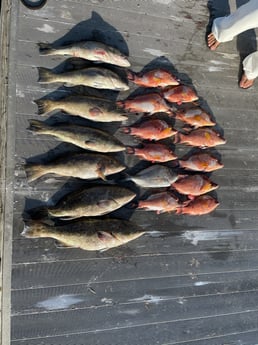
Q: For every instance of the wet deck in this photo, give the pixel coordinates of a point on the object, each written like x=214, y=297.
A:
x=189, y=280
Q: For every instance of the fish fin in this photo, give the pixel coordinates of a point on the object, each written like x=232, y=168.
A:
x=176, y=138
x=126, y=130
x=120, y=104
x=67, y=218
x=179, y=210
x=103, y=250
x=130, y=150
x=100, y=171
x=36, y=126
x=34, y=229
x=68, y=84
x=103, y=235
x=60, y=244
x=44, y=106
x=130, y=75
x=33, y=171
x=38, y=213
x=45, y=49
x=45, y=75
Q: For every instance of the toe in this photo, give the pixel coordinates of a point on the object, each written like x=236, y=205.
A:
x=246, y=83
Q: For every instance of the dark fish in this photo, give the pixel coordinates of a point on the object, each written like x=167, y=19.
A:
x=85, y=137
x=81, y=165
x=90, y=202
x=87, y=234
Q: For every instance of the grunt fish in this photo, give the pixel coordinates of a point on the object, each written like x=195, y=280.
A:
x=195, y=117
x=89, y=50
x=200, y=137
x=87, y=234
x=153, y=152
x=194, y=185
x=202, y=204
x=90, y=202
x=153, y=129
x=155, y=176
x=202, y=161
x=160, y=202
x=150, y=103
x=155, y=78
x=96, y=77
x=180, y=94
x=81, y=165
x=85, y=137
x=88, y=107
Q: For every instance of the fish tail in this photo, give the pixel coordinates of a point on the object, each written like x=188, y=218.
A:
x=45, y=75
x=46, y=49
x=37, y=126
x=130, y=150
x=44, y=106
x=34, y=171
x=176, y=138
x=34, y=229
x=126, y=130
x=120, y=104
x=130, y=75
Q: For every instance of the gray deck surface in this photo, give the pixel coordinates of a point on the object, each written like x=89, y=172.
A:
x=189, y=280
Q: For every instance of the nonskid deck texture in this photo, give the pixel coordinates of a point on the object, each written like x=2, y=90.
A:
x=189, y=279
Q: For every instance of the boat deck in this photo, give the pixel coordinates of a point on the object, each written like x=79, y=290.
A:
x=188, y=280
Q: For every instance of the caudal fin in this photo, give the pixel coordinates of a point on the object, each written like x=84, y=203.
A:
x=34, y=171
x=34, y=229
x=37, y=126
x=130, y=75
x=46, y=49
x=45, y=75
x=44, y=106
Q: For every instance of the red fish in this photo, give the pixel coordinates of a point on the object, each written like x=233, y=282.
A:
x=201, y=161
x=195, y=117
x=150, y=103
x=153, y=129
x=153, y=152
x=160, y=202
x=180, y=94
x=201, y=137
x=194, y=185
x=202, y=204
x=155, y=78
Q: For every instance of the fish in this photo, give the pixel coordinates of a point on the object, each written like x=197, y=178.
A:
x=195, y=117
x=90, y=202
x=153, y=152
x=159, y=202
x=157, y=77
x=180, y=94
x=201, y=161
x=150, y=103
x=96, y=77
x=153, y=129
x=155, y=176
x=88, y=234
x=194, y=185
x=88, y=107
x=88, y=50
x=85, y=137
x=200, y=205
x=81, y=165
x=201, y=137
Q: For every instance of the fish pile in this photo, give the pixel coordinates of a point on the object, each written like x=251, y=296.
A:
x=78, y=216
x=187, y=192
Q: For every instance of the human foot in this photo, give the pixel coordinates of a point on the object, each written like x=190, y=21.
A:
x=246, y=83
x=212, y=42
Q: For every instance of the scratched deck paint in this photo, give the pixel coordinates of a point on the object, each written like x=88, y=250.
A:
x=190, y=280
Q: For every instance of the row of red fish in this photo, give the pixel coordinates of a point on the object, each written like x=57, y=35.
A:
x=199, y=135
